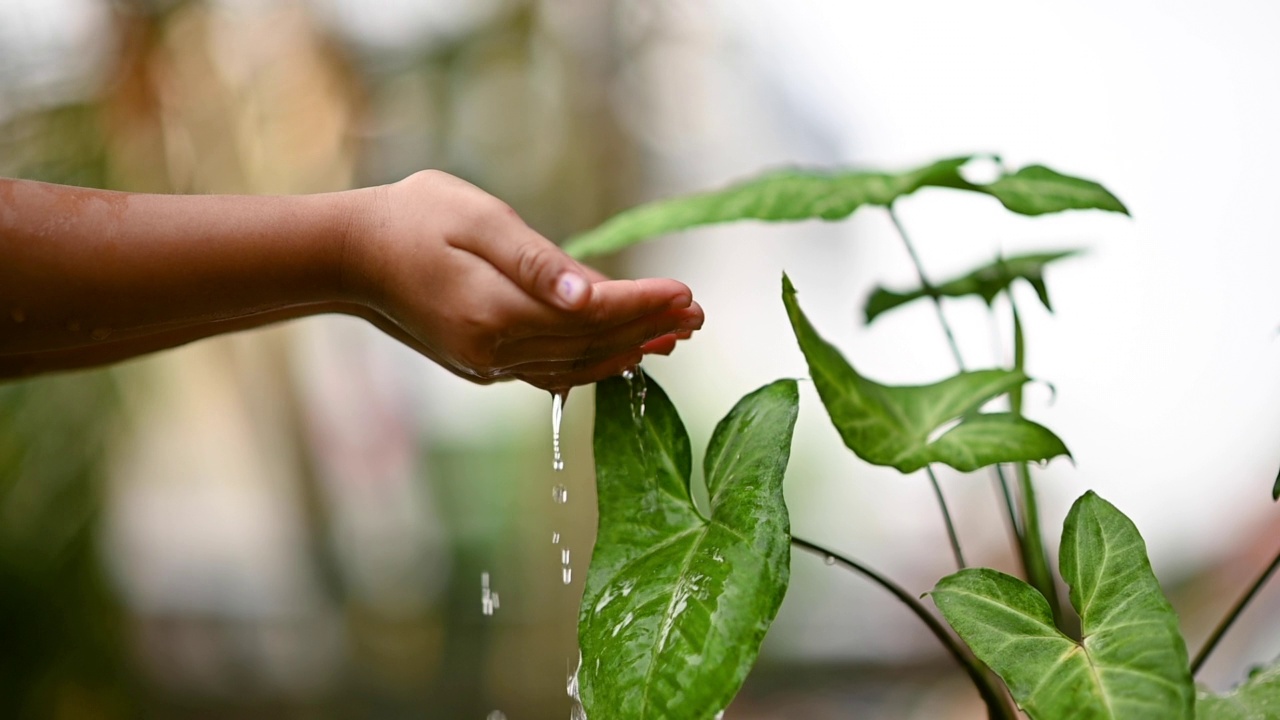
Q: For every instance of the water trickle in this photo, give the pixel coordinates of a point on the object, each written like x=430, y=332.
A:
x=566, y=574
x=555, y=538
x=488, y=598
x=557, y=414
x=564, y=556
x=496, y=715
x=576, y=711
x=829, y=560
x=643, y=391
x=560, y=494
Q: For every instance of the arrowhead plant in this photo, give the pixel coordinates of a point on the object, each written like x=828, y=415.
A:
x=679, y=598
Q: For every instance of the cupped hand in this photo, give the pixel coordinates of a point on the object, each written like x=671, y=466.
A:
x=456, y=274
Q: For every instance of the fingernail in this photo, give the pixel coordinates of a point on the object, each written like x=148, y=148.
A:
x=570, y=287
x=691, y=323
x=680, y=302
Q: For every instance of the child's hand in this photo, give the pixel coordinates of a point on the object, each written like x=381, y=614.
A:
x=456, y=274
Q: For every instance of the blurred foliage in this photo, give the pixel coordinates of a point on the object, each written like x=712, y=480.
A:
x=61, y=624
x=199, y=96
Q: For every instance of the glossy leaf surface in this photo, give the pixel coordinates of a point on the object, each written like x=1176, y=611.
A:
x=894, y=426
x=676, y=605
x=1132, y=663
x=986, y=282
x=1258, y=698
x=799, y=194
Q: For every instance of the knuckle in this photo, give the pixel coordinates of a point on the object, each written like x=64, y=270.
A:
x=534, y=262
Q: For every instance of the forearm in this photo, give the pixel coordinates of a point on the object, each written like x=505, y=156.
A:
x=83, y=268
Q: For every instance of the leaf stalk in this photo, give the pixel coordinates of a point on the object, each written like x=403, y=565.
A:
x=999, y=706
x=1231, y=615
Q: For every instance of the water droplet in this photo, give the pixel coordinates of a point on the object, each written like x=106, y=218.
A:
x=496, y=715
x=555, y=538
x=564, y=556
x=719, y=715
x=557, y=414
x=829, y=560
x=628, y=374
x=560, y=494
x=488, y=598
x=566, y=574
x=644, y=391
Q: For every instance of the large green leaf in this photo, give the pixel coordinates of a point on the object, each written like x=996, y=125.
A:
x=1132, y=663
x=893, y=426
x=676, y=604
x=1258, y=698
x=797, y=194
x=986, y=282
x=1037, y=190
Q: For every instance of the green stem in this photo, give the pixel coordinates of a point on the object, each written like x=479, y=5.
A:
x=1234, y=613
x=1035, y=557
x=1011, y=514
x=928, y=287
x=955, y=351
x=946, y=516
x=998, y=704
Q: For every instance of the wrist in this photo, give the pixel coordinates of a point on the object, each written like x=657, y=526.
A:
x=357, y=226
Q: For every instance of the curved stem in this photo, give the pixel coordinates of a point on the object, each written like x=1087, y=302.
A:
x=946, y=516
x=1012, y=515
x=997, y=701
x=1035, y=555
x=928, y=287
x=1231, y=616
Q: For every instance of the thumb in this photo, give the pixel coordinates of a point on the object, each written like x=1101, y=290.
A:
x=534, y=263
x=545, y=272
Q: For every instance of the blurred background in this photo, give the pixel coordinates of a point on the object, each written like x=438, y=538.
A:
x=294, y=522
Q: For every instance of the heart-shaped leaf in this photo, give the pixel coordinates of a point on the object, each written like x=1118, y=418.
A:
x=1132, y=663
x=1258, y=698
x=894, y=426
x=798, y=194
x=676, y=605
x=986, y=282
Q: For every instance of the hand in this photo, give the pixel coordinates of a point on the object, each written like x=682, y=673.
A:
x=457, y=275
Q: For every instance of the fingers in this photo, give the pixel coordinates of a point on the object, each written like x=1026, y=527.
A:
x=599, y=371
x=588, y=348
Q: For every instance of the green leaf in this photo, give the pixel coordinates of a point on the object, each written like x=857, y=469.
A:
x=1037, y=190
x=676, y=605
x=1258, y=698
x=800, y=194
x=1132, y=663
x=893, y=426
x=986, y=282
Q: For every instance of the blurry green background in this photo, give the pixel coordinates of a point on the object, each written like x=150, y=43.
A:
x=293, y=522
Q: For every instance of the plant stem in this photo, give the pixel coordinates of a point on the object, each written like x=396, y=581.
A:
x=1231, y=616
x=1035, y=557
x=928, y=287
x=998, y=705
x=946, y=516
x=1014, y=528
x=955, y=351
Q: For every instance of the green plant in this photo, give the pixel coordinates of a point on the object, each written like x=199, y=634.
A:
x=678, y=600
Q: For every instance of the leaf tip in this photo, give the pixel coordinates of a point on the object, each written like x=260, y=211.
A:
x=1275, y=489
x=787, y=287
